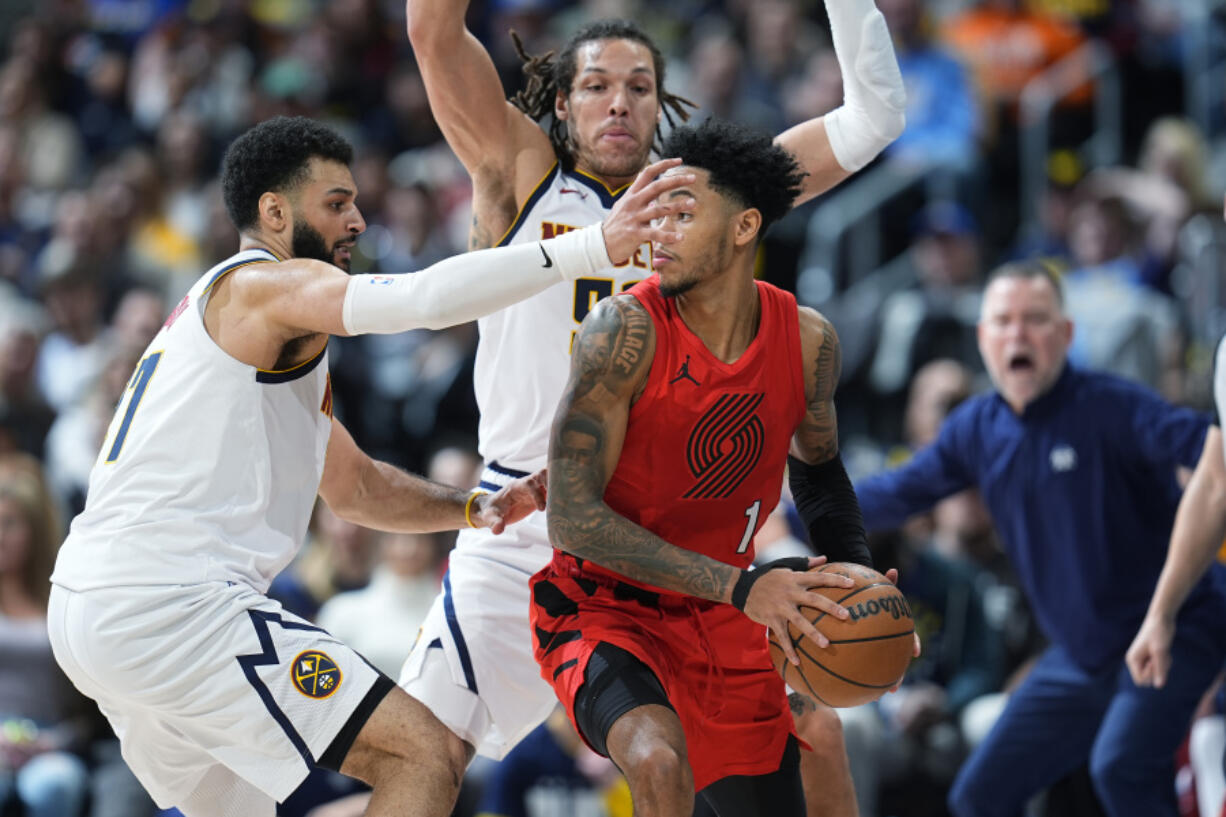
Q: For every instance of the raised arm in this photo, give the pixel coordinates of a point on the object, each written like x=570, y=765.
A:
x=824, y=497
x=302, y=296
x=498, y=144
x=611, y=360
x=872, y=115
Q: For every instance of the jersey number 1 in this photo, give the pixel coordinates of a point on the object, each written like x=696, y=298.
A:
x=140, y=380
x=752, y=513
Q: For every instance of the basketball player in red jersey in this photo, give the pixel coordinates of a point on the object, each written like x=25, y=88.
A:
x=555, y=157
x=668, y=449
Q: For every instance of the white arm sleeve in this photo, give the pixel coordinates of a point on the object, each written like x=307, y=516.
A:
x=470, y=285
x=873, y=112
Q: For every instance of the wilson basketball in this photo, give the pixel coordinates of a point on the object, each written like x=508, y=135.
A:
x=869, y=651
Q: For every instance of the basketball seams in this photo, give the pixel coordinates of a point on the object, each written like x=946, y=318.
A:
x=867, y=638
x=855, y=656
x=834, y=674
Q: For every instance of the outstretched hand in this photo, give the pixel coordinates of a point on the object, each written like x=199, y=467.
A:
x=636, y=218
x=511, y=503
x=777, y=594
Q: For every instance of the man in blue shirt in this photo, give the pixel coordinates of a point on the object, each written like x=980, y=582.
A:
x=1079, y=472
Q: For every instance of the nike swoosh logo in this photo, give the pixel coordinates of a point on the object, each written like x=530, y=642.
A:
x=548, y=261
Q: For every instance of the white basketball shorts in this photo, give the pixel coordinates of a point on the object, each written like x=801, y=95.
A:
x=472, y=664
x=194, y=678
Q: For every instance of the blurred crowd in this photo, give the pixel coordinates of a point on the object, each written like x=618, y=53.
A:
x=1066, y=130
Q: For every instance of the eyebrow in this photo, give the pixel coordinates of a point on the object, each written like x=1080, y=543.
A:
x=344, y=191
x=641, y=69
x=680, y=191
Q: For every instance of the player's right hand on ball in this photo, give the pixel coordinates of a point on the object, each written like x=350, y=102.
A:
x=777, y=595
x=638, y=216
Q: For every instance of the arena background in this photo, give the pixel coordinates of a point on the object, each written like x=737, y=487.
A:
x=1088, y=133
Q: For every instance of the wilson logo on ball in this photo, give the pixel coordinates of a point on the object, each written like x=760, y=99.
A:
x=895, y=606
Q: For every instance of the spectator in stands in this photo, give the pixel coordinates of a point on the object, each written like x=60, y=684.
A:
x=1124, y=326
x=337, y=556
x=936, y=316
x=25, y=417
x=943, y=118
x=44, y=722
x=380, y=619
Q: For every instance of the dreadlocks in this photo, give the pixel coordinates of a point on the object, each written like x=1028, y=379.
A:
x=547, y=75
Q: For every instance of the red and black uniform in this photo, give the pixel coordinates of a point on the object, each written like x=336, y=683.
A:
x=701, y=467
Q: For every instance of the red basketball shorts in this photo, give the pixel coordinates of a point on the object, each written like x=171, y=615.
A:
x=710, y=658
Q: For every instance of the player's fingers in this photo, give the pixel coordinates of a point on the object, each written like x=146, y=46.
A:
x=784, y=640
x=659, y=235
x=816, y=561
x=807, y=629
x=892, y=575
x=649, y=173
x=915, y=652
x=659, y=209
x=662, y=185
x=827, y=605
x=540, y=492
x=813, y=579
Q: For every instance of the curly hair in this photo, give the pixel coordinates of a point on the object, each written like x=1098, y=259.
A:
x=548, y=74
x=744, y=164
x=273, y=156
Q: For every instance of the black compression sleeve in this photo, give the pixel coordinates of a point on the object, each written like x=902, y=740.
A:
x=828, y=506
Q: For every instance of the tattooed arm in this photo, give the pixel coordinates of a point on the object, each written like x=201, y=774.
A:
x=817, y=439
x=609, y=365
x=824, y=497
x=611, y=359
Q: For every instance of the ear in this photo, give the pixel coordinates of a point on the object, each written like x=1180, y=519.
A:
x=561, y=111
x=274, y=212
x=746, y=225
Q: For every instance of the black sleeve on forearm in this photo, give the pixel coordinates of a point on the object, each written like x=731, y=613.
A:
x=828, y=506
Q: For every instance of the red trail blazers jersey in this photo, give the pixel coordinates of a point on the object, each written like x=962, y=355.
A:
x=706, y=444
x=701, y=467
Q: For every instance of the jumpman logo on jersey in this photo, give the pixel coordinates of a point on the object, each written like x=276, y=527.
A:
x=684, y=373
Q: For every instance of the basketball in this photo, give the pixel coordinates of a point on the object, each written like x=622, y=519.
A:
x=869, y=651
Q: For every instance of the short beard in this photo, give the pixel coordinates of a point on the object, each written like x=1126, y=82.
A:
x=677, y=287
x=619, y=167
x=309, y=243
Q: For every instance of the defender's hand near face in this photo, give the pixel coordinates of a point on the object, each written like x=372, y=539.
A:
x=635, y=219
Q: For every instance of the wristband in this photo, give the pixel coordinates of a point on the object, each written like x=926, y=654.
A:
x=740, y=590
x=468, y=506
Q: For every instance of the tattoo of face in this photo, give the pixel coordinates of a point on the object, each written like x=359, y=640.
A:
x=610, y=359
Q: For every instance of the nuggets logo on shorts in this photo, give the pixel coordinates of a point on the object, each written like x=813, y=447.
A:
x=315, y=675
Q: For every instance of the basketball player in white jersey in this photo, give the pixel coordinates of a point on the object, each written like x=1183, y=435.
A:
x=606, y=93
x=204, y=485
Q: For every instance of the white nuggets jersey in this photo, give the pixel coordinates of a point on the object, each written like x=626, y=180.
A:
x=210, y=467
x=523, y=357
